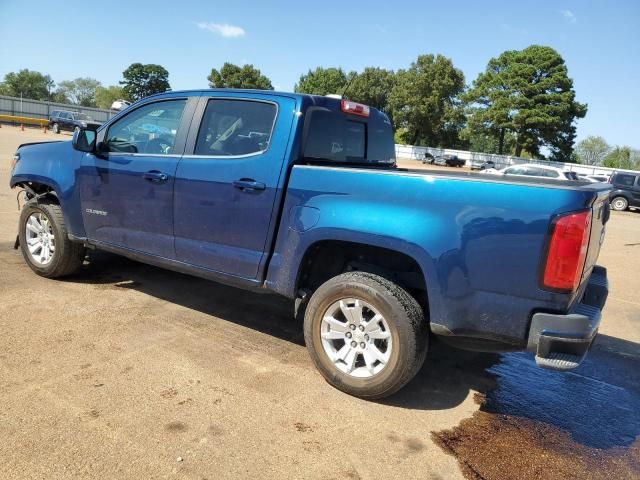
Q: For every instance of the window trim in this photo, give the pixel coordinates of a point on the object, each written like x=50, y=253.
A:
x=104, y=133
x=201, y=118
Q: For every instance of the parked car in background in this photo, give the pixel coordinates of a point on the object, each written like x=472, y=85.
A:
x=593, y=178
x=65, y=120
x=428, y=158
x=587, y=178
x=483, y=165
x=626, y=190
x=599, y=178
x=449, y=160
x=534, y=170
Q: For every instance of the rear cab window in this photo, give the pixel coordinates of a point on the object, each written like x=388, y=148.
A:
x=333, y=136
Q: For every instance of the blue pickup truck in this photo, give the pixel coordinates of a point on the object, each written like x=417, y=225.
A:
x=301, y=195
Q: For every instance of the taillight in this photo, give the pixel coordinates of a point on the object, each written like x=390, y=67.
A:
x=567, y=251
x=354, y=108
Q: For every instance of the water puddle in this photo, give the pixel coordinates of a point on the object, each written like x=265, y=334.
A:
x=541, y=424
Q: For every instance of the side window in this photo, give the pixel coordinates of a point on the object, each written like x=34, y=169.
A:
x=516, y=171
x=235, y=127
x=624, y=180
x=543, y=172
x=150, y=129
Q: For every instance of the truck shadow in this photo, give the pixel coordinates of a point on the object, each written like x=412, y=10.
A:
x=598, y=404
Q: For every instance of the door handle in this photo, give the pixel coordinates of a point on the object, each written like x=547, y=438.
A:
x=155, y=176
x=249, y=185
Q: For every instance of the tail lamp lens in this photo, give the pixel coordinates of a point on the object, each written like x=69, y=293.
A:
x=567, y=251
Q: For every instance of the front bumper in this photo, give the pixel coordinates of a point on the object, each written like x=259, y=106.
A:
x=561, y=341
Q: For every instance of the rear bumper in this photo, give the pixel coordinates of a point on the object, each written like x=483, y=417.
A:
x=561, y=341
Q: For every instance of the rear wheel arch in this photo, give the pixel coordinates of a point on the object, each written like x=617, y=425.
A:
x=326, y=259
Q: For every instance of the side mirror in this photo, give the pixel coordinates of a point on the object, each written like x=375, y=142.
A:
x=84, y=140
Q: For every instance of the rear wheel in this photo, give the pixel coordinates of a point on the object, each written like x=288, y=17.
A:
x=44, y=240
x=619, y=204
x=366, y=335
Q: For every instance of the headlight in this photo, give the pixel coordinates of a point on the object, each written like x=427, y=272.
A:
x=14, y=161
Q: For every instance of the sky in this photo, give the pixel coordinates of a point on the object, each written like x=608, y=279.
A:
x=599, y=40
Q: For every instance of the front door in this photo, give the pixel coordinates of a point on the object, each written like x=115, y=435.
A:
x=127, y=197
x=226, y=187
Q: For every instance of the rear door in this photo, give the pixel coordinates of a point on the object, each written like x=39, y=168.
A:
x=227, y=181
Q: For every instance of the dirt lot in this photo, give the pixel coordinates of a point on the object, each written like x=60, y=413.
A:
x=129, y=371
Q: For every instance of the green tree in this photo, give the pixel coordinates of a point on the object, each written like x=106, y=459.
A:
x=59, y=96
x=528, y=93
x=233, y=76
x=592, y=150
x=372, y=87
x=620, y=157
x=81, y=91
x=423, y=101
x=28, y=83
x=485, y=142
x=105, y=96
x=322, y=81
x=143, y=80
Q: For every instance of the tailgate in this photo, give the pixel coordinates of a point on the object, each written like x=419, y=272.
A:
x=600, y=216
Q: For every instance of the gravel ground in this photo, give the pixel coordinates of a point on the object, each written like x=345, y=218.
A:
x=129, y=371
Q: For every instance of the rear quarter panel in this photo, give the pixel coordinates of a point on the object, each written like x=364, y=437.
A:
x=478, y=242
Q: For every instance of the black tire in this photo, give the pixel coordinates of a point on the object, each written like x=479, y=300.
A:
x=619, y=204
x=403, y=314
x=56, y=128
x=67, y=257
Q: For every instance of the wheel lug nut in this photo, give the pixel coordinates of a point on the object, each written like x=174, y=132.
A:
x=361, y=328
x=362, y=345
x=354, y=344
x=352, y=326
x=348, y=334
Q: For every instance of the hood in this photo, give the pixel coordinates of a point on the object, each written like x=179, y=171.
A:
x=40, y=146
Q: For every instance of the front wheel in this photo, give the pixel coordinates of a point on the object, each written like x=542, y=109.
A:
x=619, y=203
x=366, y=335
x=44, y=240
